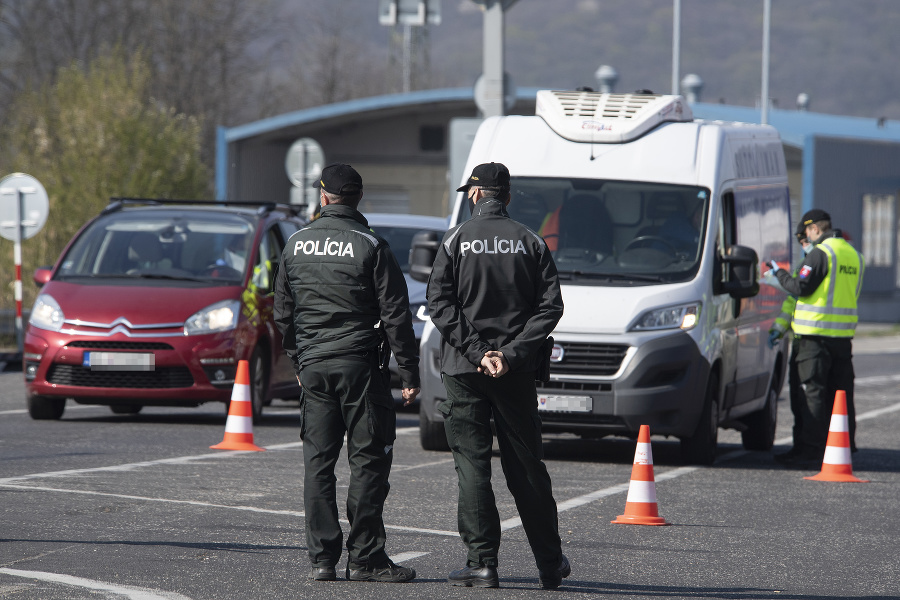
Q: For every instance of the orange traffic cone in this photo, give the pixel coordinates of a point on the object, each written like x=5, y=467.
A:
x=836, y=466
x=640, y=505
x=239, y=425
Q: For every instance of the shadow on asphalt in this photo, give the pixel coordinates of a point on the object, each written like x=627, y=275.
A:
x=668, y=591
x=668, y=453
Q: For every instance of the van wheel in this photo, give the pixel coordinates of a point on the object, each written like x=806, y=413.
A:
x=700, y=448
x=259, y=382
x=125, y=409
x=431, y=434
x=760, y=432
x=46, y=408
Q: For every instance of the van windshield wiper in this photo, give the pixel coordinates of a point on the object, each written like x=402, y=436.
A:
x=609, y=276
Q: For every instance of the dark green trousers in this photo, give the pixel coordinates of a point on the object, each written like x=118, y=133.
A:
x=824, y=365
x=472, y=399
x=346, y=395
x=797, y=397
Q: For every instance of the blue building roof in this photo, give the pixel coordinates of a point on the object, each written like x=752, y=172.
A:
x=795, y=126
x=361, y=105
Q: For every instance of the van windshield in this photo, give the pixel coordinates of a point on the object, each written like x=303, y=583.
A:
x=162, y=245
x=614, y=232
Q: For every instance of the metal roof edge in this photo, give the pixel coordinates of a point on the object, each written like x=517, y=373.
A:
x=359, y=105
x=795, y=126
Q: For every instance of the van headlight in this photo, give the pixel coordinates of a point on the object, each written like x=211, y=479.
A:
x=217, y=317
x=47, y=314
x=673, y=317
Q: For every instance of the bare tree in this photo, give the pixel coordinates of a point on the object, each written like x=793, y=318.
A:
x=332, y=61
x=207, y=57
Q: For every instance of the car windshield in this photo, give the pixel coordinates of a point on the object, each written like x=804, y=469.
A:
x=614, y=232
x=400, y=240
x=161, y=245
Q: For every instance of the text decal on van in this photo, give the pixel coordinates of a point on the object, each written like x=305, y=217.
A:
x=759, y=161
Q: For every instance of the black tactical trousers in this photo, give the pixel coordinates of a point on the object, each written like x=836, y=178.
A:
x=472, y=399
x=346, y=395
x=797, y=397
x=825, y=365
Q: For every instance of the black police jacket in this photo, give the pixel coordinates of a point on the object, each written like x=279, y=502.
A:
x=494, y=286
x=339, y=290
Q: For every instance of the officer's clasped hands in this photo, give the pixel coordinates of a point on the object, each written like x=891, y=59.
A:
x=775, y=267
x=493, y=364
x=409, y=395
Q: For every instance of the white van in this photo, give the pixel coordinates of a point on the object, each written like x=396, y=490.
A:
x=656, y=221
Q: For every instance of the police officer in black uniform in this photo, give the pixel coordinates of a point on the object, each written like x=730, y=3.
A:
x=494, y=296
x=342, y=305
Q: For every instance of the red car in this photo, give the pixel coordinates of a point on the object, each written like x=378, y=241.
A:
x=153, y=303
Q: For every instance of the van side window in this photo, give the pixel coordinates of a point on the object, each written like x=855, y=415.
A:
x=726, y=236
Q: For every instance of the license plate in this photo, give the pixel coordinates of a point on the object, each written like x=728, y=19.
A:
x=120, y=361
x=566, y=403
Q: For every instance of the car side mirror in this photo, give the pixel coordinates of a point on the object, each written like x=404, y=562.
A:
x=42, y=275
x=422, y=253
x=741, y=264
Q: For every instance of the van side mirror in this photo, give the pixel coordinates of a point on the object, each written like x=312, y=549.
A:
x=422, y=253
x=739, y=274
x=42, y=275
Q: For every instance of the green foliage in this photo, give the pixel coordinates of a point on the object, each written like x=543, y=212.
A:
x=93, y=134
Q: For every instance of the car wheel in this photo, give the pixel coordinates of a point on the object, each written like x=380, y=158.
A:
x=431, y=434
x=259, y=382
x=126, y=409
x=760, y=432
x=46, y=408
x=700, y=448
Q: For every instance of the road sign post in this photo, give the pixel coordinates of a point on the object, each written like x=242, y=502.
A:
x=303, y=163
x=24, y=207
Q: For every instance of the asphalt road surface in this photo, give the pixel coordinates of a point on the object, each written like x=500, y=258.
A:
x=104, y=506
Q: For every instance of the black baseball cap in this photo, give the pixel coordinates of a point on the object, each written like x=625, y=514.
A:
x=340, y=179
x=814, y=216
x=491, y=175
x=801, y=230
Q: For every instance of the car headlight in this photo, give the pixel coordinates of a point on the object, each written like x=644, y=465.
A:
x=220, y=316
x=673, y=317
x=420, y=312
x=47, y=314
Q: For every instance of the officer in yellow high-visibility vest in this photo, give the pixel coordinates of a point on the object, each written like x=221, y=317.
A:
x=780, y=327
x=827, y=287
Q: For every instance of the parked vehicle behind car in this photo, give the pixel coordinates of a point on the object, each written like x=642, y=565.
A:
x=153, y=303
x=399, y=230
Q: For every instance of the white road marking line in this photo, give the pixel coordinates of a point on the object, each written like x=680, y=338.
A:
x=505, y=525
x=871, y=414
x=407, y=556
x=152, y=463
x=253, y=509
x=876, y=379
x=134, y=593
x=428, y=464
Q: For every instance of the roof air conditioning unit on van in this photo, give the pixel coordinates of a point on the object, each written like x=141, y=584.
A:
x=608, y=118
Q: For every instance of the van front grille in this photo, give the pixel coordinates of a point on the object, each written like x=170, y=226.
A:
x=590, y=359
